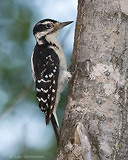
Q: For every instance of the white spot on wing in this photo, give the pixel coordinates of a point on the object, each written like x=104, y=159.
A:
x=53, y=90
x=54, y=70
x=48, y=96
x=43, y=109
x=41, y=99
x=44, y=100
x=50, y=75
x=43, y=90
x=52, y=98
x=38, y=90
x=46, y=76
x=42, y=80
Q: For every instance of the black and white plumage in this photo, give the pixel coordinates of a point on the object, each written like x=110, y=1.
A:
x=49, y=68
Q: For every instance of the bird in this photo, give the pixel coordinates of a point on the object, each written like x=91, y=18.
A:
x=49, y=69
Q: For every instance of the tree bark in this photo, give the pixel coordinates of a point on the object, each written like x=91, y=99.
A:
x=95, y=125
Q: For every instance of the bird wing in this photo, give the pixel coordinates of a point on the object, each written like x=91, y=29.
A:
x=46, y=71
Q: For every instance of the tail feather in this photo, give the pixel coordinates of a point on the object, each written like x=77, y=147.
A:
x=56, y=128
x=47, y=119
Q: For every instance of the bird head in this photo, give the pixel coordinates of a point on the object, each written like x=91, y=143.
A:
x=48, y=27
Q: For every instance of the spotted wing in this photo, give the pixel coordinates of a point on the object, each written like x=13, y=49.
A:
x=46, y=71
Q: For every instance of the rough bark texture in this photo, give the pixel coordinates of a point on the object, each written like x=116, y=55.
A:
x=95, y=125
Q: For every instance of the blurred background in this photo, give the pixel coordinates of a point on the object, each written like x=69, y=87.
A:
x=23, y=133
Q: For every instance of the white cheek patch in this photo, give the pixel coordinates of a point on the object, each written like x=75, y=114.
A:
x=38, y=35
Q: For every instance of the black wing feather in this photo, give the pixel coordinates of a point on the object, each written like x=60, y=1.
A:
x=46, y=70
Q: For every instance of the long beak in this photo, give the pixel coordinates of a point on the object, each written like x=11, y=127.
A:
x=58, y=25
x=63, y=24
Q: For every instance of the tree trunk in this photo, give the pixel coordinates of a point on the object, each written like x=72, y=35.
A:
x=95, y=125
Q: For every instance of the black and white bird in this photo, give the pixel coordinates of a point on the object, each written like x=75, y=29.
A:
x=49, y=68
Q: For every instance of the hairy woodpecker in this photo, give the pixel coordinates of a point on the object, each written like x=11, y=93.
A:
x=49, y=68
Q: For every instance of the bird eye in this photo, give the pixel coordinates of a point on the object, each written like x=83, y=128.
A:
x=49, y=25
